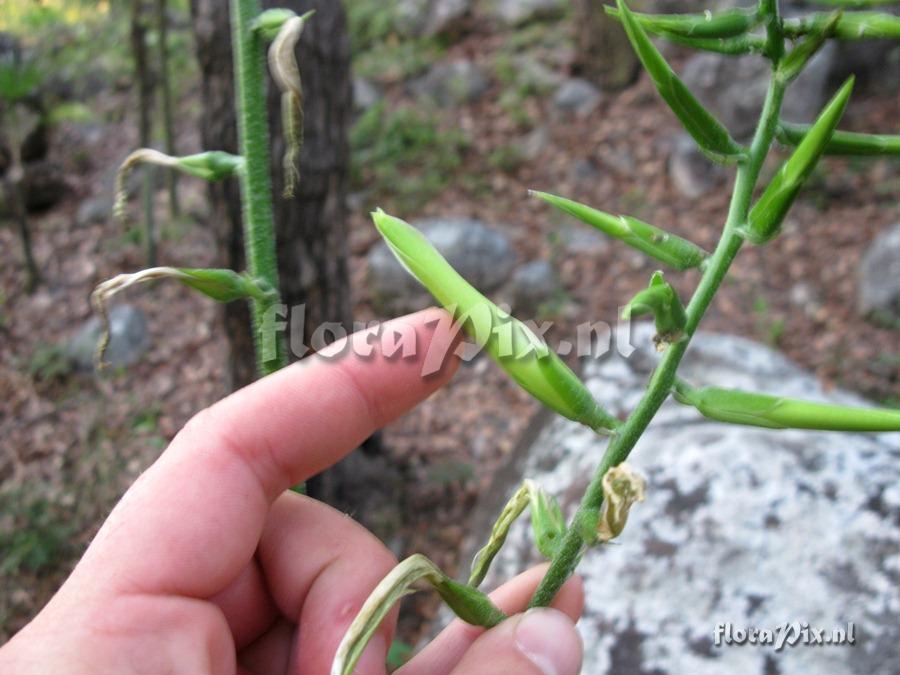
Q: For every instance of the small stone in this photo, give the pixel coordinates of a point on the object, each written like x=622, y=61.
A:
x=93, y=210
x=534, y=142
x=878, y=285
x=452, y=83
x=365, y=94
x=577, y=96
x=128, y=339
x=692, y=173
x=584, y=170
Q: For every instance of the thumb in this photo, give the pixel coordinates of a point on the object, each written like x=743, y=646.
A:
x=538, y=642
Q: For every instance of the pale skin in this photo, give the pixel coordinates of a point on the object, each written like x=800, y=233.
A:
x=208, y=565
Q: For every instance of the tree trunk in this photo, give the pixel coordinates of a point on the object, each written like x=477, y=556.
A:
x=165, y=89
x=144, y=79
x=603, y=54
x=310, y=227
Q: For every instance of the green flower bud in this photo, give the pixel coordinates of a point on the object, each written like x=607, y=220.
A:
x=766, y=216
x=222, y=285
x=547, y=522
x=468, y=603
x=655, y=242
x=733, y=46
x=724, y=24
x=852, y=25
x=524, y=356
x=211, y=166
x=775, y=412
x=662, y=301
x=843, y=142
x=794, y=63
x=711, y=136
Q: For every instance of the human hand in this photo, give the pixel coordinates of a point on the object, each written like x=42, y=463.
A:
x=207, y=565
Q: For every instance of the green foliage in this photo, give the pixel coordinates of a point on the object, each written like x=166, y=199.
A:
x=403, y=155
x=49, y=363
x=34, y=534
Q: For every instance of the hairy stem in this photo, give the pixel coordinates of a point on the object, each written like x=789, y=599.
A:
x=256, y=187
x=564, y=562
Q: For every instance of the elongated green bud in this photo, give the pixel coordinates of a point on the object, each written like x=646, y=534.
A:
x=711, y=136
x=524, y=356
x=855, y=4
x=222, y=285
x=547, y=525
x=211, y=166
x=733, y=46
x=842, y=142
x=724, y=24
x=794, y=63
x=671, y=249
x=468, y=603
x=852, y=25
x=766, y=216
x=775, y=412
x=662, y=301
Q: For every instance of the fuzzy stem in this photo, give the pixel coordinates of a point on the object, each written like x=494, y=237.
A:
x=564, y=562
x=256, y=188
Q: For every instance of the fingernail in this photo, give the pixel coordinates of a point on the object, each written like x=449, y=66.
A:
x=373, y=657
x=548, y=639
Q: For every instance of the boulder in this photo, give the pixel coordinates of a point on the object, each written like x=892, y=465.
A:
x=430, y=17
x=517, y=12
x=128, y=339
x=690, y=171
x=483, y=255
x=878, y=277
x=532, y=287
x=734, y=88
x=750, y=526
x=451, y=83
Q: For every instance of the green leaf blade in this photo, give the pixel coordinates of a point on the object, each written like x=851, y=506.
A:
x=843, y=142
x=725, y=24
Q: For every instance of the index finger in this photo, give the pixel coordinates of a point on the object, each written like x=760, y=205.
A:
x=191, y=523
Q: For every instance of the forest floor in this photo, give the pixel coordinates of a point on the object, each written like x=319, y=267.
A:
x=71, y=442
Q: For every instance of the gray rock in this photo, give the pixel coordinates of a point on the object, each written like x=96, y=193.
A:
x=533, y=285
x=534, y=142
x=128, y=339
x=451, y=83
x=430, y=17
x=480, y=253
x=744, y=525
x=577, y=96
x=533, y=77
x=734, y=88
x=691, y=172
x=584, y=170
x=365, y=94
x=878, y=285
x=516, y=12
x=93, y=210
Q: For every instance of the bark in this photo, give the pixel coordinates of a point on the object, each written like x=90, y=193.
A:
x=165, y=88
x=603, y=54
x=310, y=227
x=144, y=79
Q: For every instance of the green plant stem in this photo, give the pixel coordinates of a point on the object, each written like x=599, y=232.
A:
x=564, y=562
x=256, y=187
